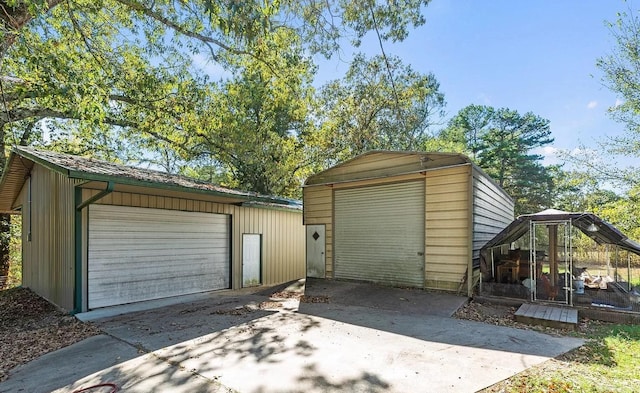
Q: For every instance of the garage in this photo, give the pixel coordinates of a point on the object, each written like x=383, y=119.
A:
x=373, y=234
x=414, y=219
x=98, y=234
x=138, y=254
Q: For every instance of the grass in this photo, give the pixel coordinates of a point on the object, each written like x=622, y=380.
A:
x=608, y=362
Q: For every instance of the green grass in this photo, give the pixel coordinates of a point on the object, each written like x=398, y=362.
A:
x=608, y=362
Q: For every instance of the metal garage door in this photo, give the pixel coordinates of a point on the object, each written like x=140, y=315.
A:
x=379, y=234
x=140, y=254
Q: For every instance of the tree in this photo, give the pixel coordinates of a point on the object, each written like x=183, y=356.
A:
x=379, y=104
x=501, y=141
x=468, y=127
x=253, y=130
x=104, y=73
x=621, y=76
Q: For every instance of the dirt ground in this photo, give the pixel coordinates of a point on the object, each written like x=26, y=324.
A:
x=501, y=315
x=31, y=327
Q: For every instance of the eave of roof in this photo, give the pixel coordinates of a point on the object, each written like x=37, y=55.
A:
x=80, y=168
x=462, y=160
x=606, y=234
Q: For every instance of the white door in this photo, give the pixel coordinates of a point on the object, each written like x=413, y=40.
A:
x=315, y=251
x=251, y=259
x=138, y=254
x=379, y=233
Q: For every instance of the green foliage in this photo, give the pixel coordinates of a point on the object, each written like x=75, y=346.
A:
x=500, y=141
x=622, y=211
x=251, y=128
x=115, y=79
x=620, y=69
x=15, y=253
x=379, y=104
x=608, y=362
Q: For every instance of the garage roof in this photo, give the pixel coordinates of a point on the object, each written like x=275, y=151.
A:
x=605, y=234
x=22, y=159
x=380, y=163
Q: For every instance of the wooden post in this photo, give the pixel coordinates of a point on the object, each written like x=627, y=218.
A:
x=553, y=254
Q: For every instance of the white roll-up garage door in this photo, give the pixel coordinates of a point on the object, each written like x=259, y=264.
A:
x=138, y=254
x=379, y=233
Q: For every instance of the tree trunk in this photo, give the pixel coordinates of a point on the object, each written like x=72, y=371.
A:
x=5, y=237
x=5, y=220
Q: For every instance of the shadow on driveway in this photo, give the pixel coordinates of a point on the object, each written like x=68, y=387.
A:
x=365, y=339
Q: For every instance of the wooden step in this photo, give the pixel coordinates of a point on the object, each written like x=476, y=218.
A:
x=540, y=314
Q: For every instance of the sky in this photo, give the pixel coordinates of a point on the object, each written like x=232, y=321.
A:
x=531, y=56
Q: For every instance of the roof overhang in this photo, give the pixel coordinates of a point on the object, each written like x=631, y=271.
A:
x=376, y=163
x=14, y=176
x=606, y=233
x=21, y=161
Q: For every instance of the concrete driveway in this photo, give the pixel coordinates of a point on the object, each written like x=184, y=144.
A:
x=365, y=339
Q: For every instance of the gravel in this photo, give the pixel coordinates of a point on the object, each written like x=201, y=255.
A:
x=31, y=327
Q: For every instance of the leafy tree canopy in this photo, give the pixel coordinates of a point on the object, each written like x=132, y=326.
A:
x=501, y=142
x=620, y=69
x=381, y=103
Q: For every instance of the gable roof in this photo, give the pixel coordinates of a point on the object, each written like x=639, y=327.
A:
x=606, y=233
x=382, y=163
x=378, y=164
x=22, y=159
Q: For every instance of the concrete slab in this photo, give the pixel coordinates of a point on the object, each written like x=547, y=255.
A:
x=67, y=365
x=402, y=300
x=108, y=312
x=353, y=349
x=367, y=339
x=146, y=374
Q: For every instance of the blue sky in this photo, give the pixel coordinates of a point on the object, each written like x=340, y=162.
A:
x=536, y=56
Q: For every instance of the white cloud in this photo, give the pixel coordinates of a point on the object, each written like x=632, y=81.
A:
x=592, y=104
x=618, y=103
x=549, y=154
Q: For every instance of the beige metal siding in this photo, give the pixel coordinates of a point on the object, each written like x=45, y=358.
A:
x=138, y=254
x=318, y=209
x=492, y=210
x=447, y=229
x=380, y=165
x=48, y=258
x=283, y=234
x=379, y=233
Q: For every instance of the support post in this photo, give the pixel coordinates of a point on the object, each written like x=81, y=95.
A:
x=629, y=271
x=553, y=254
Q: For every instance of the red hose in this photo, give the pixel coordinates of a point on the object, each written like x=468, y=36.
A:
x=102, y=385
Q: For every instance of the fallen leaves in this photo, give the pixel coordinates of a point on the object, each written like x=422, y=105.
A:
x=314, y=299
x=501, y=315
x=31, y=327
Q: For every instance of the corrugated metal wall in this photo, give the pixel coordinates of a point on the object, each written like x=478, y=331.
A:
x=141, y=254
x=379, y=233
x=383, y=164
x=283, y=234
x=318, y=209
x=48, y=258
x=492, y=211
x=447, y=227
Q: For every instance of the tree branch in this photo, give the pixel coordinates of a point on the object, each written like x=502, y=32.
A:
x=13, y=18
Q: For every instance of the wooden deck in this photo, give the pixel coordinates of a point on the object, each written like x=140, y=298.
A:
x=540, y=314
